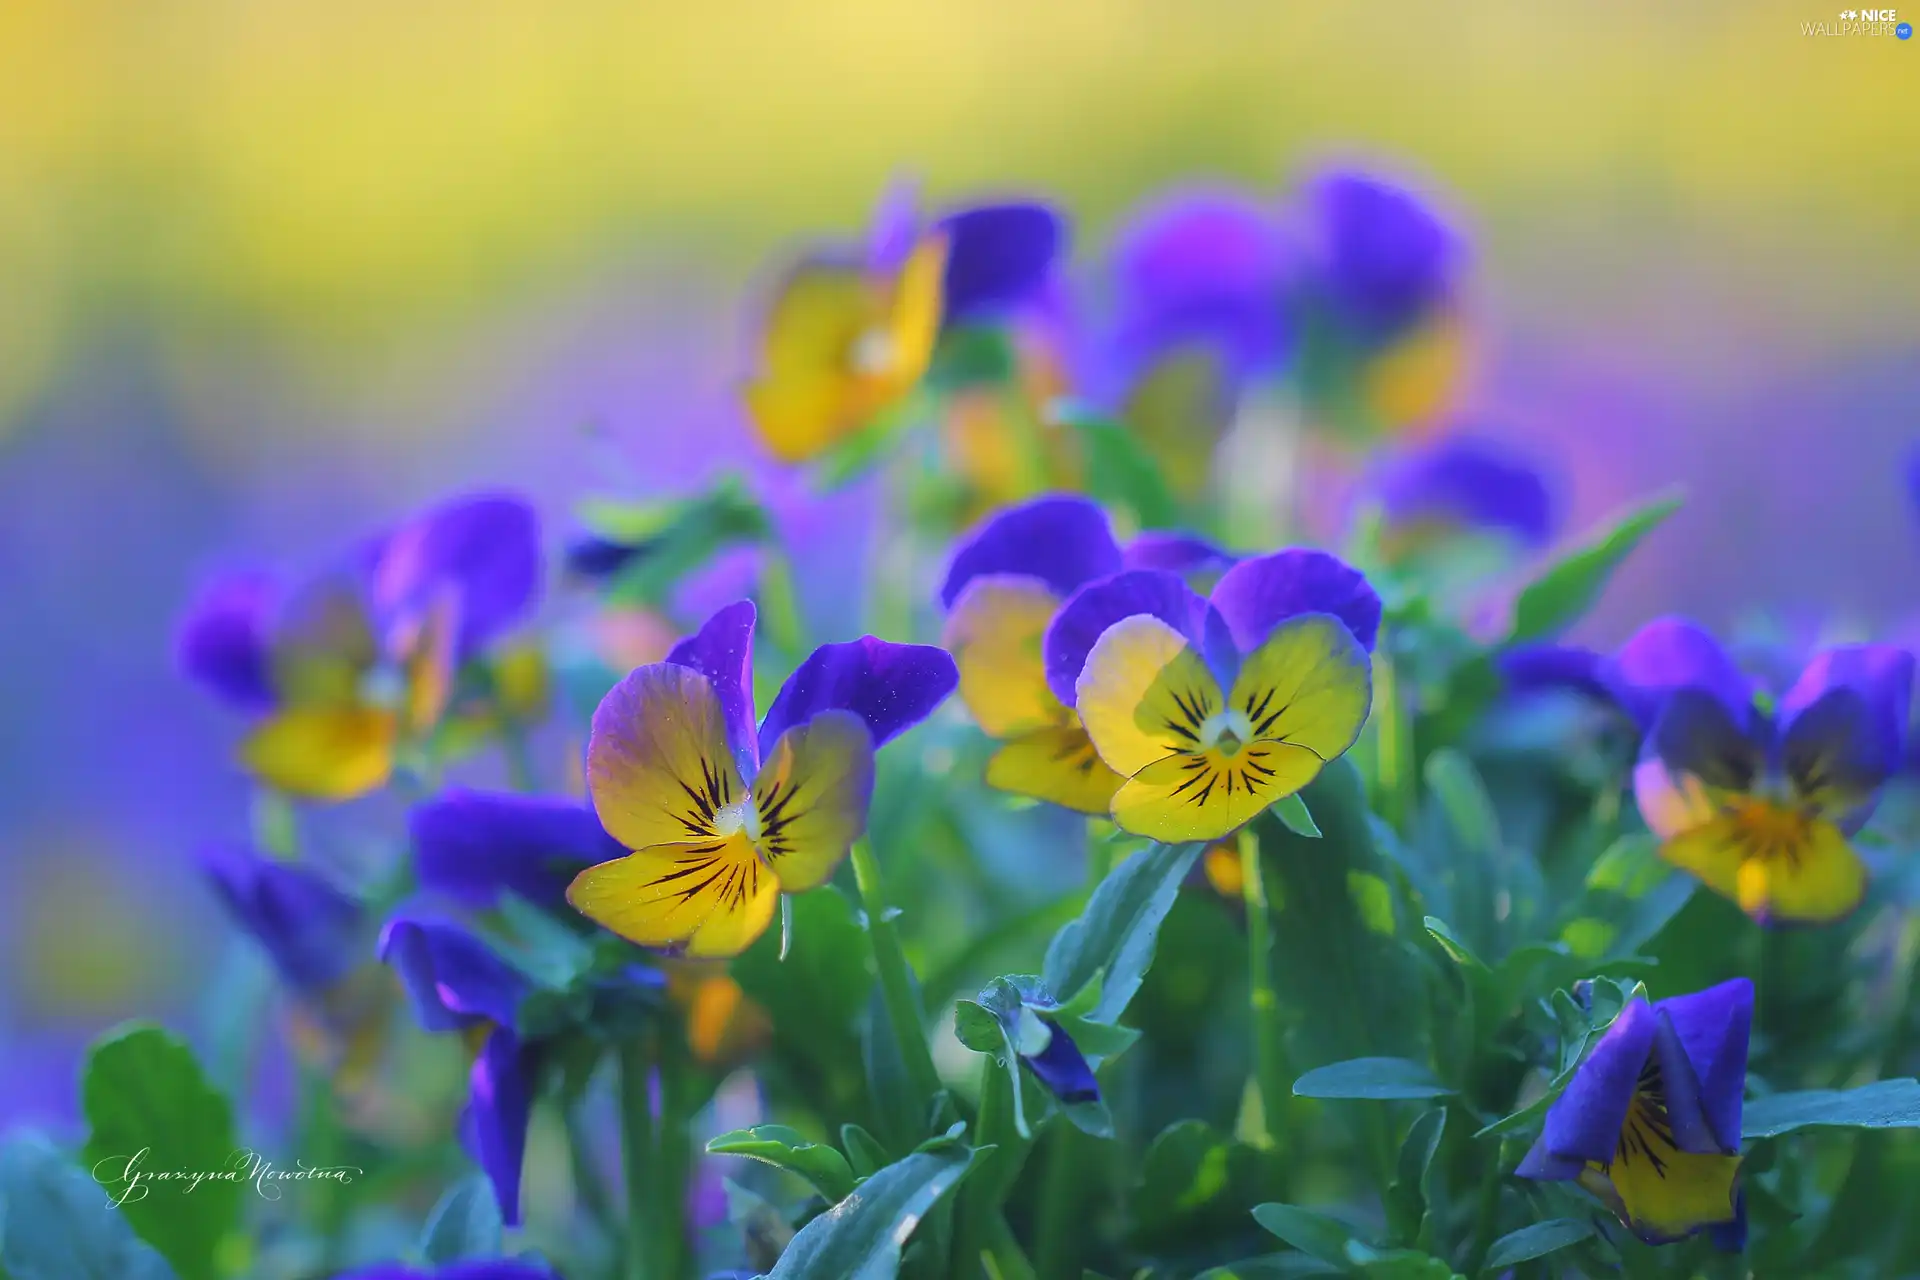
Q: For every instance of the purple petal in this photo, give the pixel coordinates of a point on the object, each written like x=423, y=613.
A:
x=1472, y=484
x=1387, y=260
x=1670, y=654
x=998, y=257
x=595, y=559
x=474, y=846
x=1063, y=1069
x=1731, y=1237
x=1255, y=596
x=1098, y=605
x=1203, y=267
x=722, y=651
x=894, y=227
x=1176, y=553
x=890, y=686
x=1584, y=1122
x=453, y=980
x=310, y=928
x=1838, y=753
x=1880, y=674
x=1538, y=668
x=486, y=548
x=1713, y=1026
x=1682, y=1093
x=1695, y=734
x=222, y=642
x=494, y=1126
x=1063, y=540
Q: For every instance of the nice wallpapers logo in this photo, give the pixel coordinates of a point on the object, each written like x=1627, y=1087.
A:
x=1861, y=22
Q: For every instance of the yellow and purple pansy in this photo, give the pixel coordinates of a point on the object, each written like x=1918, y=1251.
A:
x=1007, y=580
x=1650, y=1121
x=360, y=662
x=1212, y=708
x=1759, y=804
x=721, y=819
x=852, y=330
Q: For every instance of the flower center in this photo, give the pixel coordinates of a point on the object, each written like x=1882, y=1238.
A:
x=742, y=816
x=1226, y=732
x=1768, y=830
x=384, y=687
x=872, y=353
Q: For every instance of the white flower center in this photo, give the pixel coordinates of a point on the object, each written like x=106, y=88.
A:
x=1226, y=731
x=383, y=686
x=741, y=816
x=872, y=353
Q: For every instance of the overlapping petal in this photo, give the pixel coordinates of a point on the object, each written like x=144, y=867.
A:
x=659, y=764
x=453, y=980
x=1258, y=594
x=323, y=752
x=704, y=900
x=1063, y=540
x=994, y=633
x=1089, y=612
x=999, y=257
x=890, y=686
x=484, y=547
x=1058, y=764
x=722, y=651
x=308, y=926
x=494, y=1125
x=811, y=797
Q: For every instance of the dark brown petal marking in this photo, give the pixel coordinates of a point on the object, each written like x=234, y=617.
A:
x=775, y=818
x=1647, y=1122
x=714, y=793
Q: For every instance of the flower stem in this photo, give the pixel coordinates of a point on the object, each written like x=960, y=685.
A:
x=896, y=979
x=639, y=1164
x=1057, y=1251
x=1393, y=742
x=1269, y=1067
x=1008, y=1260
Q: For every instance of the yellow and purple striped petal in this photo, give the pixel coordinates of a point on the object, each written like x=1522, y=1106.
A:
x=1144, y=694
x=1308, y=685
x=1058, y=764
x=1257, y=595
x=811, y=796
x=994, y=634
x=659, y=766
x=705, y=901
x=1779, y=865
x=1099, y=605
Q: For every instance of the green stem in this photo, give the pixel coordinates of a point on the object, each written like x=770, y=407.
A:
x=1393, y=743
x=1057, y=1252
x=1008, y=1260
x=674, y=1155
x=986, y=1190
x=513, y=745
x=1269, y=1069
x=588, y=1187
x=1486, y=1215
x=896, y=979
x=638, y=1152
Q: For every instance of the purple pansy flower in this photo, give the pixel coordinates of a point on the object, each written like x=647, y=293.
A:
x=355, y=663
x=1383, y=261
x=1007, y=579
x=1650, y=1122
x=722, y=816
x=1760, y=806
x=1463, y=484
x=309, y=927
x=473, y=846
x=1212, y=708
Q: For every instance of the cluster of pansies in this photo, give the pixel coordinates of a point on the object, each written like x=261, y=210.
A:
x=681, y=919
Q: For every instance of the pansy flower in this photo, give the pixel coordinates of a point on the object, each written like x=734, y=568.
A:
x=1006, y=581
x=1214, y=708
x=1759, y=804
x=455, y=982
x=720, y=818
x=1379, y=279
x=360, y=662
x=1463, y=486
x=1650, y=1121
x=313, y=932
x=851, y=332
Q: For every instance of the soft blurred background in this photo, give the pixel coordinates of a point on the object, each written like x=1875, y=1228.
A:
x=273, y=272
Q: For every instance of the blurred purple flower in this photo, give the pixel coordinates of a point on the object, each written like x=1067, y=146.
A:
x=473, y=846
x=1382, y=260
x=1465, y=484
x=309, y=927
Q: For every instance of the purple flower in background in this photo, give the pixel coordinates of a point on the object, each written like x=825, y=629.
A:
x=1650, y=1122
x=308, y=926
x=455, y=982
x=1463, y=484
x=491, y=1269
x=343, y=671
x=721, y=817
x=1000, y=258
x=1382, y=260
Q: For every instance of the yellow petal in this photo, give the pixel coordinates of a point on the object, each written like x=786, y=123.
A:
x=1144, y=694
x=429, y=662
x=994, y=635
x=322, y=752
x=1309, y=685
x=323, y=645
x=1664, y=1193
x=800, y=417
x=1415, y=384
x=811, y=797
x=658, y=765
x=700, y=900
x=1206, y=795
x=1778, y=865
x=1057, y=764
x=917, y=298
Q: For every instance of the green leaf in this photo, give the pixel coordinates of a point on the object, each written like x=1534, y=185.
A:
x=1536, y=1241
x=977, y=1029
x=1196, y=1183
x=1113, y=939
x=784, y=1148
x=1885, y=1104
x=1376, y=1079
x=818, y=996
x=147, y=1101
x=1293, y=812
x=677, y=538
x=1567, y=588
x=1463, y=798
x=861, y=1238
x=1399, y=1264
x=1451, y=943
x=57, y=1223
x=465, y=1224
x=864, y=1152
x=1311, y=1233
x=1410, y=1193
x=1120, y=473
x=1277, y=1266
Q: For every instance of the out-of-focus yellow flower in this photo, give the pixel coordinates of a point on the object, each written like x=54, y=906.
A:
x=844, y=340
x=723, y=1026
x=1418, y=383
